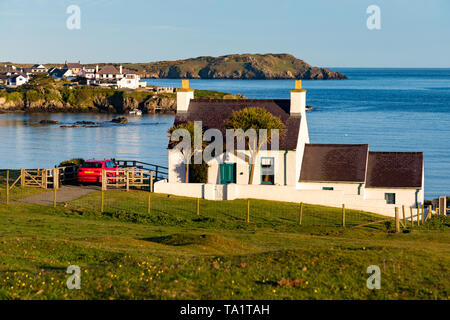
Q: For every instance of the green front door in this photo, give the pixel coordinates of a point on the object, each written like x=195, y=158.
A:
x=227, y=173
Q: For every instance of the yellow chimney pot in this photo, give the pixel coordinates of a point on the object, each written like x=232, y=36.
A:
x=185, y=84
x=298, y=84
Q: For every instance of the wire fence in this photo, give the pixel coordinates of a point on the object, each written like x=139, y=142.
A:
x=142, y=206
x=153, y=208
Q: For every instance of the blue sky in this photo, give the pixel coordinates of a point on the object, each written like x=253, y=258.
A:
x=414, y=33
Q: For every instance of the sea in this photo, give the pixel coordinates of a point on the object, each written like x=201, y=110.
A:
x=389, y=109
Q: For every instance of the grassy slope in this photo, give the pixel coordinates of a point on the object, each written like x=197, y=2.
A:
x=173, y=254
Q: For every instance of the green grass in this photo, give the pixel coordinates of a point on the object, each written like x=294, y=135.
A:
x=209, y=94
x=173, y=210
x=126, y=253
x=16, y=192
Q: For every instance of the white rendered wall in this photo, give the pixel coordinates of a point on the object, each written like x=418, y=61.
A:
x=347, y=188
x=183, y=100
x=243, y=168
x=279, y=193
x=403, y=196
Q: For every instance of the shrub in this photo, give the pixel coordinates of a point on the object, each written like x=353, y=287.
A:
x=198, y=173
x=71, y=162
x=14, y=96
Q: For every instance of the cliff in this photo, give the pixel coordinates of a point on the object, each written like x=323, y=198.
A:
x=238, y=66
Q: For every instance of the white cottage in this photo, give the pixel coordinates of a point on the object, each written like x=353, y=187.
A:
x=16, y=80
x=324, y=174
x=122, y=77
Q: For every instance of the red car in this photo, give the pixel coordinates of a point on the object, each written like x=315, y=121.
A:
x=91, y=170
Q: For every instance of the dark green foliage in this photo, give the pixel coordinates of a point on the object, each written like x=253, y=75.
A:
x=72, y=162
x=437, y=222
x=198, y=173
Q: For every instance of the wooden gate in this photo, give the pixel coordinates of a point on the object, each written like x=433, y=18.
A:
x=126, y=178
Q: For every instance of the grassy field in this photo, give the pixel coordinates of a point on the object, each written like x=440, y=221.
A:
x=125, y=253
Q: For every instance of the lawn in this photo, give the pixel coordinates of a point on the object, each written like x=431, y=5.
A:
x=171, y=253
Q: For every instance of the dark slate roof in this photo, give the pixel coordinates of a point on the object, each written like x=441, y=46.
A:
x=395, y=170
x=334, y=163
x=214, y=112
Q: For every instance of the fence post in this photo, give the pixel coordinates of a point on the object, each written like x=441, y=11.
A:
x=198, y=207
x=301, y=214
x=102, y=201
x=248, y=210
x=104, y=182
x=430, y=210
x=443, y=205
x=7, y=187
x=397, y=220
x=44, y=178
x=404, y=216
x=151, y=181
x=343, y=215
x=128, y=179
x=149, y=203
x=55, y=178
x=54, y=197
x=22, y=177
x=423, y=213
x=412, y=218
x=418, y=214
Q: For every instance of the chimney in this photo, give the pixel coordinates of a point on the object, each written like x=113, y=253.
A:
x=184, y=96
x=298, y=100
x=120, y=69
x=96, y=69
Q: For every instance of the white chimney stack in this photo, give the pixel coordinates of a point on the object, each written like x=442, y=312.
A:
x=298, y=100
x=96, y=69
x=120, y=69
x=184, y=96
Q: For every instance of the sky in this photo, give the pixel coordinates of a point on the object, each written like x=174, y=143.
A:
x=326, y=33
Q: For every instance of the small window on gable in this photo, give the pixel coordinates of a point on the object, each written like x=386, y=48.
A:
x=328, y=188
x=390, y=198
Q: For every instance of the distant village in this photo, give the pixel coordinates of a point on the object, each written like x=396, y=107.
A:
x=106, y=76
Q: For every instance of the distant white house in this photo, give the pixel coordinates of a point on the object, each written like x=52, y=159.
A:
x=12, y=76
x=88, y=73
x=109, y=75
x=16, y=80
x=298, y=171
x=38, y=68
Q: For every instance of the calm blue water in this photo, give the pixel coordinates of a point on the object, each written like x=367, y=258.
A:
x=390, y=109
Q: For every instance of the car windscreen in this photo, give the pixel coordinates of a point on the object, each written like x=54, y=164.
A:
x=92, y=165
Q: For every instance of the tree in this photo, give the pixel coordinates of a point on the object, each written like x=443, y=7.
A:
x=187, y=130
x=258, y=119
